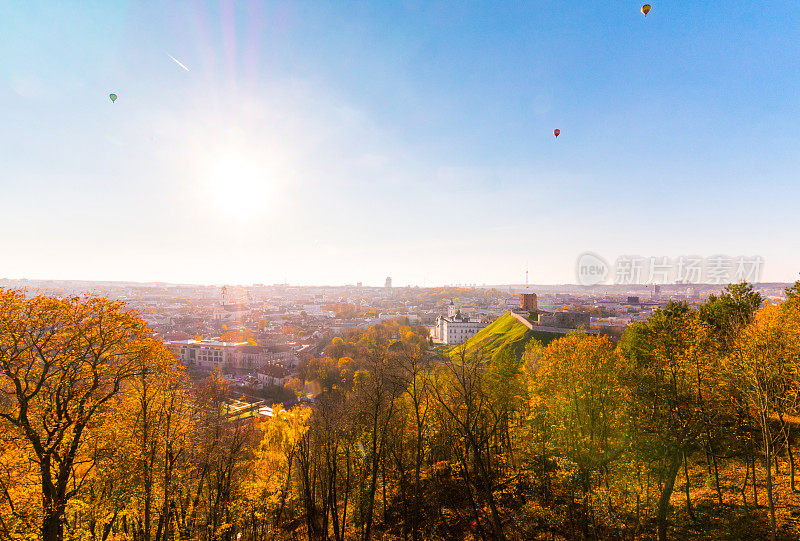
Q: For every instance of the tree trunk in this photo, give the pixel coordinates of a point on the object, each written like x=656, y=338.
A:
x=485, y=480
x=373, y=481
x=417, y=475
x=107, y=527
x=346, y=490
x=666, y=493
x=475, y=512
x=744, y=488
x=791, y=458
x=332, y=455
x=712, y=454
x=53, y=522
x=767, y=460
x=755, y=487
x=689, y=510
x=383, y=487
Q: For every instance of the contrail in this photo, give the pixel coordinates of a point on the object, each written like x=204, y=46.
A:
x=176, y=61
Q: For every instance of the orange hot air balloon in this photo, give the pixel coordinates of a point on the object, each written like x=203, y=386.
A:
x=646, y=9
x=556, y=132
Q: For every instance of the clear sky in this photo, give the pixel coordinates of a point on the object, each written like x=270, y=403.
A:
x=334, y=142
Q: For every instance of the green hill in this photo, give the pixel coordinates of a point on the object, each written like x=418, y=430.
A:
x=505, y=333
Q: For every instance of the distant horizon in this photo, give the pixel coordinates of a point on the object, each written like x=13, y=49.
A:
x=394, y=286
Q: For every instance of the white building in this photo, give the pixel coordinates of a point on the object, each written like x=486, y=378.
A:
x=455, y=330
x=452, y=310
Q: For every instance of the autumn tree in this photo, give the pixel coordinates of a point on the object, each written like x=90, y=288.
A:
x=586, y=406
x=269, y=490
x=466, y=410
x=63, y=361
x=764, y=366
x=20, y=492
x=375, y=397
x=139, y=441
x=221, y=449
x=413, y=366
x=664, y=356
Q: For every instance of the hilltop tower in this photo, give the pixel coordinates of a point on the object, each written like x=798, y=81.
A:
x=529, y=302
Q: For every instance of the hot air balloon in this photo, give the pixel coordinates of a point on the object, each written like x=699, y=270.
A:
x=646, y=9
x=113, y=97
x=556, y=132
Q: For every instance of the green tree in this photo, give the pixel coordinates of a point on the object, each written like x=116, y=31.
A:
x=665, y=354
x=731, y=311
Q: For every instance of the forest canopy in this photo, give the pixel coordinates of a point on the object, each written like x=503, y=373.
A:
x=686, y=427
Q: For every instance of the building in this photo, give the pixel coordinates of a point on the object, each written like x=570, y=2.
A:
x=529, y=302
x=656, y=292
x=388, y=283
x=233, y=306
x=207, y=355
x=230, y=313
x=284, y=354
x=246, y=358
x=565, y=320
x=528, y=311
x=455, y=330
x=272, y=374
x=452, y=310
x=204, y=354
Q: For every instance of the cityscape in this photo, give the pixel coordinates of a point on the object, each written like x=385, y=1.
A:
x=258, y=336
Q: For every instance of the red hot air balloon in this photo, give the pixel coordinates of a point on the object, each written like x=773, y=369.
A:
x=646, y=9
x=556, y=132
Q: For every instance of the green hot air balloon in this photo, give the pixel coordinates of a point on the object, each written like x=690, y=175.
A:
x=113, y=97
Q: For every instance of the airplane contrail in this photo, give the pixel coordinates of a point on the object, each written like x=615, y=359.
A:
x=177, y=62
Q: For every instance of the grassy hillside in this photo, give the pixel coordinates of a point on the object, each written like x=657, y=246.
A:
x=504, y=334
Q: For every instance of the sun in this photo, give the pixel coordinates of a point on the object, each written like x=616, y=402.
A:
x=238, y=185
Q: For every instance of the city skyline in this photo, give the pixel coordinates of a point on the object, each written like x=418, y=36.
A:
x=263, y=143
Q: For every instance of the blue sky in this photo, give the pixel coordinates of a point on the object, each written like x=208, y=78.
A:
x=335, y=142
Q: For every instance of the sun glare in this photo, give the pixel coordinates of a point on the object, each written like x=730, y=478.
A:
x=239, y=186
